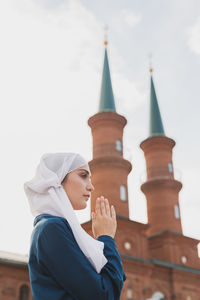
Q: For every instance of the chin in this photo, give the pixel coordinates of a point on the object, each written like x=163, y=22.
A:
x=82, y=206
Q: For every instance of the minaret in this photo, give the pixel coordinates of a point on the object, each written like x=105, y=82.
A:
x=108, y=167
x=161, y=189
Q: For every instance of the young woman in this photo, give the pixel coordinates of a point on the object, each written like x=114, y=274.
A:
x=66, y=263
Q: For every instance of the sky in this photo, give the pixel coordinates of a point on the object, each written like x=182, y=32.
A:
x=51, y=60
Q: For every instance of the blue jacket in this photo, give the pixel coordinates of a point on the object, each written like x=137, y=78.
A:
x=59, y=270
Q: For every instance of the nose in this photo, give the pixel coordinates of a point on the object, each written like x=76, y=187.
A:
x=90, y=187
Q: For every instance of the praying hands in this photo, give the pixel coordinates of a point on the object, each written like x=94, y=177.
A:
x=103, y=219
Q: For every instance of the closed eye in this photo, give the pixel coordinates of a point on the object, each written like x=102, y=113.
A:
x=84, y=175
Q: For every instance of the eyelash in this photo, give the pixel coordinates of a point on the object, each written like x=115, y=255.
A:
x=84, y=175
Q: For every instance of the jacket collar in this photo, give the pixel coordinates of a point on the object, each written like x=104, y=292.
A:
x=43, y=216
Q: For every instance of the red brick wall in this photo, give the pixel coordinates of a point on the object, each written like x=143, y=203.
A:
x=12, y=277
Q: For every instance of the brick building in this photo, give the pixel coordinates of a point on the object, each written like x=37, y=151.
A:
x=14, y=279
x=159, y=261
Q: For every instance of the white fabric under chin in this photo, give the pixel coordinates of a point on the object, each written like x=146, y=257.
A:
x=47, y=196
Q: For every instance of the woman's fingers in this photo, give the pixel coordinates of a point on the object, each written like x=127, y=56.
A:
x=97, y=208
x=107, y=207
x=103, y=209
x=113, y=213
x=103, y=206
x=104, y=219
x=100, y=206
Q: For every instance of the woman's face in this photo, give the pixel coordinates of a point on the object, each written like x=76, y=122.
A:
x=78, y=187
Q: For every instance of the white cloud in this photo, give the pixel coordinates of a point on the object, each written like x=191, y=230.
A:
x=125, y=19
x=129, y=96
x=51, y=63
x=193, y=33
x=130, y=18
x=51, y=59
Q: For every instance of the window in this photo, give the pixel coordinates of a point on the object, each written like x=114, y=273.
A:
x=176, y=211
x=24, y=292
x=123, y=192
x=118, y=145
x=184, y=259
x=127, y=245
x=198, y=249
x=129, y=293
x=158, y=296
x=170, y=167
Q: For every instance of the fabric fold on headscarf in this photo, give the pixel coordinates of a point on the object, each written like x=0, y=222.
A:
x=46, y=195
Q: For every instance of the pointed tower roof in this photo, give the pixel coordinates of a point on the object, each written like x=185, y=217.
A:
x=107, y=102
x=156, y=125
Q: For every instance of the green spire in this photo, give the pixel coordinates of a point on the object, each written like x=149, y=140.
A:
x=156, y=126
x=107, y=102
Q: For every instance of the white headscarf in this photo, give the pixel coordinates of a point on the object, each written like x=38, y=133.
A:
x=46, y=195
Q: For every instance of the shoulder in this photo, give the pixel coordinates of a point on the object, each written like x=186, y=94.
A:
x=53, y=233
x=53, y=224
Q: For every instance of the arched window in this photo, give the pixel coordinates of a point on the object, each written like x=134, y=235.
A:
x=170, y=167
x=118, y=145
x=129, y=293
x=198, y=249
x=176, y=211
x=158, y=296
x=24, y=292
x=123, y=192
